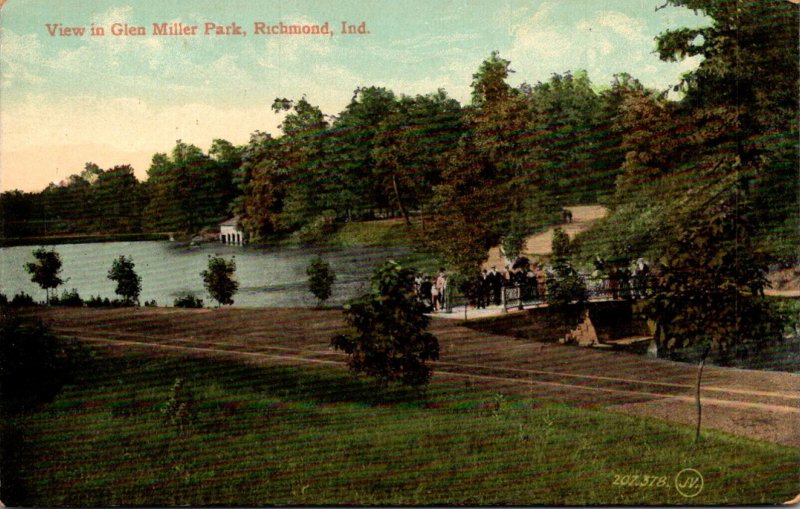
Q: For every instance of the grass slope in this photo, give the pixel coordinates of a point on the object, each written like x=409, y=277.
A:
x=285, y=435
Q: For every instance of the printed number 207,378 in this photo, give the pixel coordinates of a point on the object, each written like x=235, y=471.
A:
x=640, y=481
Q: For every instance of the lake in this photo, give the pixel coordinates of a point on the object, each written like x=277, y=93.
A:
x=267, y=277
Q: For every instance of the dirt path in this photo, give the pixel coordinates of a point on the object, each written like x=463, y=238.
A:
x=761, y=405
x=583, y=217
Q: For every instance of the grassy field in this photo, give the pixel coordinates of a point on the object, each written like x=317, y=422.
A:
x=388, y=233
x=287, y=435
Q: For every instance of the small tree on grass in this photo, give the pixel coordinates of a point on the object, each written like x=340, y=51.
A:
x=320, y=279
x=179, y=409
x=45, y=270
x=708, y=293
x=388, y=340
x=129, y=284
x=219, y=281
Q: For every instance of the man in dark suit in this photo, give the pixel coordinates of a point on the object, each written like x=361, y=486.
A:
x=496, y=284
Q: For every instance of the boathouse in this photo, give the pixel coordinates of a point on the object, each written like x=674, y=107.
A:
x=230, y=232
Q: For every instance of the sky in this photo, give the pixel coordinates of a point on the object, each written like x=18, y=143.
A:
x=119, y=99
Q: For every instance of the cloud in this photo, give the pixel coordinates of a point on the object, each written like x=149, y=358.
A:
x=19, y=53
x=603, y=42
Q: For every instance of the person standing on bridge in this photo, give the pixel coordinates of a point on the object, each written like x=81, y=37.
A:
x=496, y=285
x=441, y=289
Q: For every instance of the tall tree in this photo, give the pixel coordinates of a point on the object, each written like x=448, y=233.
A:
x=188, y=188
x=261, y=183
x=709, y=290
x=301, y=152
x=573, y=138
x=129, y=283
x=219, y=279
x=747, y=82
x=117, y=200
x=409, y=145
x=46, y=270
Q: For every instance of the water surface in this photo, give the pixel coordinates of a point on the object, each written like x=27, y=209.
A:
x=267, y=277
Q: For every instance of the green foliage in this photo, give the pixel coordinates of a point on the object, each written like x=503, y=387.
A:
x=218, y=279
x=34, y=364
x=320, y=279
x=575, y=145
x=45, y=270
x=179, y=410
x=260, y=182
x=22, y=299
x=560, y=245
x=566, y=288
x=129, y=284
x=188, y=301
x=100, y=302
x=709, y=290
x=489, y=83
x=189, y=189
x=68, y=298
x=388, y=340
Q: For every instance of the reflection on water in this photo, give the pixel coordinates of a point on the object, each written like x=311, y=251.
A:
x=267, y=277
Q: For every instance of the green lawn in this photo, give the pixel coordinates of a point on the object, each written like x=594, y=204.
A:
x=269, y=435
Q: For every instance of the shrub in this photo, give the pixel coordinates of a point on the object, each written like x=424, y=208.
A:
x=22, y=299
x=34, y=364
x=99, y=302
x=320, y=279
x=388, y=340
x=188, y=301
x=68, y=298
x=179, y=409
x=318, y=228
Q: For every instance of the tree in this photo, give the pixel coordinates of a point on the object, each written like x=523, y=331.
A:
x=320, y=279
x=218, y=280
x=188, y=188
x=708, y=296
x=116, y=200
x=388, y=339
x=45, y=270
x=129, y=284
x=565, y=288
x=708, y=292
x=573, y=142
x=301, y=161
x=748, y=79
x=408, y=144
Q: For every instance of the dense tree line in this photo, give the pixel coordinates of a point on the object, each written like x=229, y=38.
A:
x=518, y=152
x=735, y=129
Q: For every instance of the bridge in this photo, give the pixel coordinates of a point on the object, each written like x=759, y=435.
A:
x=518, y=297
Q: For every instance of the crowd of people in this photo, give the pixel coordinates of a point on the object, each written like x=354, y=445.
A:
x=607, y=280
x=620, y=281
x=432, y=292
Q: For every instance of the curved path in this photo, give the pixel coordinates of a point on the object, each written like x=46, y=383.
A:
x=760, y=405
x=538, y=244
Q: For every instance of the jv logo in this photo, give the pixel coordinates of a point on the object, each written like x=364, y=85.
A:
x=689, y=482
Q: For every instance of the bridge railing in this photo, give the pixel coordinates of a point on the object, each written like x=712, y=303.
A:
x=604, y=288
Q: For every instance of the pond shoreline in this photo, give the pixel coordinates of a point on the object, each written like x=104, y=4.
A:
x=82, y=239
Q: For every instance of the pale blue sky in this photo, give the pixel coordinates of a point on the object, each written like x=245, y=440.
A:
x=117, y=100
